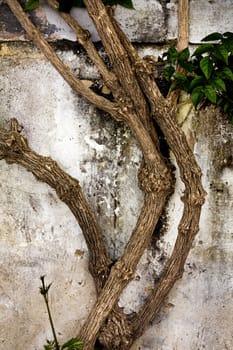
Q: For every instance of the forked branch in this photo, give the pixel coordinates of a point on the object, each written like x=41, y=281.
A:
x=135, y=78
x=65, y=72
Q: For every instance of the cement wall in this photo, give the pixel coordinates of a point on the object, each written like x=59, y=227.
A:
x=40, y=236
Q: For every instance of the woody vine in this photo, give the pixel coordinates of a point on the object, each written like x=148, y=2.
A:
x=138, y=102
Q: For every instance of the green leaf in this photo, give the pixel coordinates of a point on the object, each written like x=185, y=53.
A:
x=32, y=5
x=51, y=345
x=183, y=55
x=206, y=66
x=221, y=53
x=197, y=96
x=78, y=3
x=226, y=107
x=219, y=84
x=188, y=66
x=228, y=35
x=203, y=49
x=176, y=85
x=66, y=5
x=72, y=344
x=219, y=101
x=181, y=82
x=225, y=73
x=197, y=81
x=228, y=43
x=125, y=3
x=168, y=72
x=213, y=37
x=172, y=55
x=180, y=77
x=210, y=93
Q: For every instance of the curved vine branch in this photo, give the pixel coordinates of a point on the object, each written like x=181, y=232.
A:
x=164, y=112
x=155, y=170
x=49, y=53
x=14, y=149
x=130, y=81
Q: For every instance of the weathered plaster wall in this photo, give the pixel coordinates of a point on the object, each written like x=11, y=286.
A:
x=40, y=236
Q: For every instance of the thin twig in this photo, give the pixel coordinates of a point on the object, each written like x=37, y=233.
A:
x=83, y=37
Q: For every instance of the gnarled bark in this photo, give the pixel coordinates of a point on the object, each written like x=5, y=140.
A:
x=137, y=100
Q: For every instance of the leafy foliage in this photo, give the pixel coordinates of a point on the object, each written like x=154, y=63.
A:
x=72, y=344
x=66, y=5
x=208, y=72
x=32, y=4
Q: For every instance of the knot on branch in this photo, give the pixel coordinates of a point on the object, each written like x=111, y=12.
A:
x=15, y=126
x=143, y=66
x=119, y=324
x=124, y=272
x=124, y=108
x=12, y=144
x=196, y=197
x=101, y=269
x=83, y=36
x=151, y=182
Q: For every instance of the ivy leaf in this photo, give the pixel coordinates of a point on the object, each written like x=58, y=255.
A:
x=213, y=37
x=172, y=55
x=197, y=81
x=189, y=66
x=32, y=5
x=168, y=72
x=210, y=93
x=50, y=345
x=226, y=107
x=206, y=66
x=225, y=73
x=197, y=96
x=228, y=43
x=180, y=77
x=181, y=82
x=228, y=35
x=125, y=3
x=220, y=52
x=66, y=5
x=183, y=55
x=78, y=3
x=203, y=49
x=219, y=84
x=72, y=344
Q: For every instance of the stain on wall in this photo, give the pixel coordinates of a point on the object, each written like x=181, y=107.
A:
x=40, y=236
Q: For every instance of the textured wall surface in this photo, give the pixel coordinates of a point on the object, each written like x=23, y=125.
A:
x=40, y=236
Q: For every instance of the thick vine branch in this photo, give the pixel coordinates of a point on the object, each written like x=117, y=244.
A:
x=155, y=170
x=47, y=50
x=123, y=271
x=119, y=59
x=164, y=112
x=14, y=149
x=136, y=80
